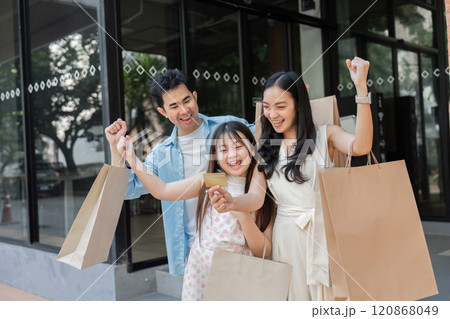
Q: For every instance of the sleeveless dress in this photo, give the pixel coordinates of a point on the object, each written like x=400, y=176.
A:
x=219, y=231
x=298, y=234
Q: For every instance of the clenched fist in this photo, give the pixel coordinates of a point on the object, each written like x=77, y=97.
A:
x=115, y=131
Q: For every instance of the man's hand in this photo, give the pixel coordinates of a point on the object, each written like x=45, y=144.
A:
x=115, y=131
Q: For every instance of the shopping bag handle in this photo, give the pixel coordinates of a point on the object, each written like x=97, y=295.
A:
x=348, y=163
x=120, y=160
x=265, y=246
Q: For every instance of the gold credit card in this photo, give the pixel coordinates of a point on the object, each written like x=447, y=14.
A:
x=213, y=179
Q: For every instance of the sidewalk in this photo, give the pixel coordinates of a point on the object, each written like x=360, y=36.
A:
x=8, y=293
x=438, y=245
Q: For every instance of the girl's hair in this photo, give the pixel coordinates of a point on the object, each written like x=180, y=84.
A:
x=290, y=82
x=266, y=213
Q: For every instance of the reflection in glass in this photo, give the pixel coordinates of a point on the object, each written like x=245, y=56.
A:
x=408, y=72
x=307, y=7
x=153, y=51
x=414, y=24
x=374, y=20
x=380, y=71
x=13, y=196
x=431, y=122
x=312, y=61
x=214, y=63
x=267, y=50
x=346, y=50
x=66, y=112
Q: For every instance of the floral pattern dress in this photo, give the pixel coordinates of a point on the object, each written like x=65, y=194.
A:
x=219, y=231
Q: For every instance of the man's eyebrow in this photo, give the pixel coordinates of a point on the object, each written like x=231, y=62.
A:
x=184, y=99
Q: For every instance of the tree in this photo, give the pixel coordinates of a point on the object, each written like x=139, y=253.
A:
x=70, y=106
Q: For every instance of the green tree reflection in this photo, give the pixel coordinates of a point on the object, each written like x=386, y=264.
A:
x=66, y=112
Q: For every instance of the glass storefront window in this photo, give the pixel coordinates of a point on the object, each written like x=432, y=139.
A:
x=374, y=20
x=414, y=24
x=151, y=38
x=431, y=122
x=307, y=7
x=266, y=42
x=312, y=60
x=408, y=70
x=14, y=205
x=409, y=86
x=381, y=74
x=66, y=111
x=346, y=50
x=213, y=58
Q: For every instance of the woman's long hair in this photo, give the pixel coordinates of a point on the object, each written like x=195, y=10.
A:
x=292, y=83
x=266, y=213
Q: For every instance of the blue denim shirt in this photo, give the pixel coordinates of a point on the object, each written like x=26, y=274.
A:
x=166, y=161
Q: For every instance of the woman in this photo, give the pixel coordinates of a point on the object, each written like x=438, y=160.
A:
x=293, y=148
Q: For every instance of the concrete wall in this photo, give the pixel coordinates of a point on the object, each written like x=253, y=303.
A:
x=38, y=272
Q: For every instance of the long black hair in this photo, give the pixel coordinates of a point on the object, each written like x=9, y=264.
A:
x=293, y=85
x=266, y=213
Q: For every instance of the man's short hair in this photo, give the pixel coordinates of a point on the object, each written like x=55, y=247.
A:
x=165, y=82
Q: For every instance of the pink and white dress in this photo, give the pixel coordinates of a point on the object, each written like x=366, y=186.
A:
x=219, y=231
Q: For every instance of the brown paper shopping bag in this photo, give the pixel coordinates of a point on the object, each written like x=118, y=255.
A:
x=374, y=234
x=324, y=111
x=90, y=237
x=235, y=277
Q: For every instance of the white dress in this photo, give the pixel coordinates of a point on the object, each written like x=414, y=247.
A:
x=219, y=231
x=298, y=234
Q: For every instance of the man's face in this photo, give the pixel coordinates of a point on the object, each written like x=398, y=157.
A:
x=180, y=107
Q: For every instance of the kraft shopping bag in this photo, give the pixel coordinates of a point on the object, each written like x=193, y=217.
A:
x=324, y=111
x=90, y=237
x=374, y=234
x=236, y=277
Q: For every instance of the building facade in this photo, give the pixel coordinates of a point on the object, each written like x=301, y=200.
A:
x=69, y=68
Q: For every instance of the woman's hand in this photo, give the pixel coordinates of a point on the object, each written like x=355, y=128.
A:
x=125, y=148
x=220, y=199
x=359, y=69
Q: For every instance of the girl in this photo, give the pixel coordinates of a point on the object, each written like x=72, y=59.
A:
x=291, y=167
x=239, y=232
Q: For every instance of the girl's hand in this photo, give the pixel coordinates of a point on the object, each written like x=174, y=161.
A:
x=125, y=148
x=220, y=199
x=359, y=69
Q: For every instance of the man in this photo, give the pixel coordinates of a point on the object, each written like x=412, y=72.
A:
x=180, y=156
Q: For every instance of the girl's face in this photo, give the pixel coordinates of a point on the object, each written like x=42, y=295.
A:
x=279, y=109
x=233, y=156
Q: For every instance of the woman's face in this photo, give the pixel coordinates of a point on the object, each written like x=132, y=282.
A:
x=279, y=109
x=233, y=156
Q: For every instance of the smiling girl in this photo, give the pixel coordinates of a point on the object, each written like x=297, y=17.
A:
x=235, y=231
